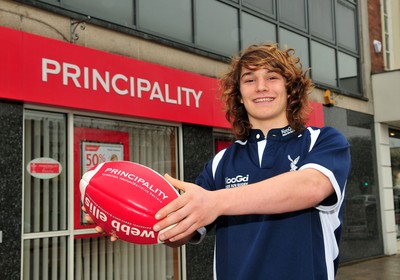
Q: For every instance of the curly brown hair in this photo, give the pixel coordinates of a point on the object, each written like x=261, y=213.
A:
x=284, y=62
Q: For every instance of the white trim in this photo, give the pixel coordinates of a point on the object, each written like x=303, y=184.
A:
x=216, y=161
x=70, y=176
x=23, y=195
x=314, y=137
x=328, y=173
x=261, y=147
x=215, y=259
x=47, y=234
x=181, y=176
x=330, y=222
x=182, y=263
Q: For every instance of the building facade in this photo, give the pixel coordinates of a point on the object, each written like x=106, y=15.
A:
x=385, y=64
x=86, y=80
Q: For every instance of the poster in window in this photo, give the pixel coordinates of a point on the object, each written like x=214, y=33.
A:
x=93, y=146
x=95, y=153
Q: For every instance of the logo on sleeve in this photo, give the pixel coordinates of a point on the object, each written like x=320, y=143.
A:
x=237, y=181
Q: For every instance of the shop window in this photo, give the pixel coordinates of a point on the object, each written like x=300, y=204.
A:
x=348, y=72
x=222, y=21
x=45, y=200
x=294, y=13
x=52, y=215
x=46, y=210
x=394, y=137
x=171, y=18
x=298, y=43
x=96, y=141
x=323, y=64
x=120, y=12
x=321, y=15
x=361, y=233
x=264, y=6
x=256, y=30
x=346, y=26
x=388, y=23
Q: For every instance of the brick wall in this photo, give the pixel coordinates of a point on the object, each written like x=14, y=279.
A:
x=375, y=33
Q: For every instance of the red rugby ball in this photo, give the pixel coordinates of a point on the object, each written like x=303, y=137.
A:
x=123, y=197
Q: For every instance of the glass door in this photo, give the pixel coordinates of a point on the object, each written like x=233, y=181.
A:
x=394, y=136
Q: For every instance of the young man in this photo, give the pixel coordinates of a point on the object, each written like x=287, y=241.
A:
x=276, y=194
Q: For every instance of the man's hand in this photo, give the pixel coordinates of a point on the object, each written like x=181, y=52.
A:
x=195, y=208
x=98, y=229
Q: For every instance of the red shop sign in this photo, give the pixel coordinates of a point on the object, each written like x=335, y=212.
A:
x=51, y=72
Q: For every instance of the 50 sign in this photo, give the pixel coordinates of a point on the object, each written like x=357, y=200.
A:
x=93, y=146
x=96, y=153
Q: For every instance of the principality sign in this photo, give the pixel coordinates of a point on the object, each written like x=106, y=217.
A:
x=44, y=168
x=51, y=72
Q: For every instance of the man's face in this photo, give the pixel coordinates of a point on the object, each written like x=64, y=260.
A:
x=265, y=97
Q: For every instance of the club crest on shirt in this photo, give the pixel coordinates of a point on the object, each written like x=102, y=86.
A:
x=237, y=181
x=293, y=162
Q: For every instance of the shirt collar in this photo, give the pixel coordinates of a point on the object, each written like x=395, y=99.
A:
x=276, y=134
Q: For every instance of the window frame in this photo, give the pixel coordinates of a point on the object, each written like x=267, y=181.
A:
x=70, y=234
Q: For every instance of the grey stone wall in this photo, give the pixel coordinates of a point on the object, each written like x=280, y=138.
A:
x=198, y=148
x=11, y=120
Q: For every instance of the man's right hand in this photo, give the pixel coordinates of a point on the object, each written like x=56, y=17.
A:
x=89, y=219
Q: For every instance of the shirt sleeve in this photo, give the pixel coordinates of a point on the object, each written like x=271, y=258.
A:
x=205, y=179
x=329, y=152
x=198, y=238
x=207, y=176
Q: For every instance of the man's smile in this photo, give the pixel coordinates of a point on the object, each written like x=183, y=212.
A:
x=264, y=99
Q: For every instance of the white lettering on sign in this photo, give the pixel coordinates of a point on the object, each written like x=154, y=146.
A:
x=138, y=180
x=92, y=79
x=130, y=230
x=95, y=210
x=103, y=216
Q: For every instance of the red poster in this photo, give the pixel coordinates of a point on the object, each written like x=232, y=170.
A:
x=91, y=147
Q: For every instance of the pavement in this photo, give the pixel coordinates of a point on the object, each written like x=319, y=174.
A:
x=379, y=268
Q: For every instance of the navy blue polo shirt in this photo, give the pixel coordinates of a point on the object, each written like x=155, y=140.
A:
x=296, y=245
